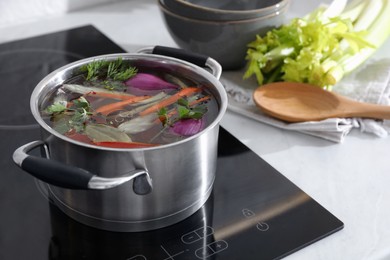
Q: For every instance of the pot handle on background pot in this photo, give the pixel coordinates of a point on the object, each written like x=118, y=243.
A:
x=66, y=176
x=195, y=58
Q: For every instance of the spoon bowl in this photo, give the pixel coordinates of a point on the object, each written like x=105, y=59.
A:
x=299, y=102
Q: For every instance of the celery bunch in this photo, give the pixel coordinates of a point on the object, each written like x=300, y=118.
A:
x=321, y=47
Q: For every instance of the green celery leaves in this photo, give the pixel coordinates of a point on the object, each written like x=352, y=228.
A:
x=307, y=50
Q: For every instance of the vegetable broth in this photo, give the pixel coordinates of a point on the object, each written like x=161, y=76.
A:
x=148, y=108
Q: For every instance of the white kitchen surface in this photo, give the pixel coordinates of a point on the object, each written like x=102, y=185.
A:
x=351, y=179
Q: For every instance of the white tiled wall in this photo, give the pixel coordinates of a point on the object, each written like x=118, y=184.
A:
x=20, y=11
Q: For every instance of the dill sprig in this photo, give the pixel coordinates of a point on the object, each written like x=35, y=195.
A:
x=125, y=74
x=93, y=69
x=108, y=70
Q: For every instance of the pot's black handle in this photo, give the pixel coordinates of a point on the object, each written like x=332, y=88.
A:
x=56, y=173
x=195, y=58
x=70, y=177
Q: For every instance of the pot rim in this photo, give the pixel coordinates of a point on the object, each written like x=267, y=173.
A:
x=34, y=100
x=167, y=11
x=202, y=8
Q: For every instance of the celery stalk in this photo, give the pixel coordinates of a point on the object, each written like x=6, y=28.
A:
x=321, y=47
x=366, y=18
x=353, y=10
x=335, y=8
x=378, y=32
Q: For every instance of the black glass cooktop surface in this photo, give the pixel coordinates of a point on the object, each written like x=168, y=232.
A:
x=254, y=212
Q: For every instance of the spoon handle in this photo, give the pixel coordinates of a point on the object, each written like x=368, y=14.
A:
x=367, y=110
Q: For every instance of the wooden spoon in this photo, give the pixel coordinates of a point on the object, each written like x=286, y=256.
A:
x=298, y=102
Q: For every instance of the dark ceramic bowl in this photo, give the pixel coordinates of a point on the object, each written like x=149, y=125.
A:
x=225, y=41
x=225, y=10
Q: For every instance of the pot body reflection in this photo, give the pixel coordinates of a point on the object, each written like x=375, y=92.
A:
x=73, y=240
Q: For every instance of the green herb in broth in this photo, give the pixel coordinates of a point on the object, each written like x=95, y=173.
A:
x=182, y=110
x=115, y=70
x=163, y=116
x=194, y=113
x=68, y=118
x=118, y=71
x=79, y=119
x=56, y=108
x=92, y=69
x=81, y=103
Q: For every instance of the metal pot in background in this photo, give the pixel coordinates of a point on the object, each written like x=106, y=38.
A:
x=93, y=184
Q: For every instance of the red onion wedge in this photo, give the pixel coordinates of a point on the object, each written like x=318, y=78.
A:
x=146, y=81
x=188, y=127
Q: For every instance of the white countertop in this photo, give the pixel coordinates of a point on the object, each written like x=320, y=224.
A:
x=351, y=179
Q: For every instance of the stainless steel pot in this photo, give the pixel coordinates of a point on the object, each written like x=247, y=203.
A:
x=93, y=184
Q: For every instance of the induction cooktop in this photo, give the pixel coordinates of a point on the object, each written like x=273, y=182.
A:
x=254, y=212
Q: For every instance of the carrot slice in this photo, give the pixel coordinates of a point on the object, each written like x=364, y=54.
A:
x=106, y=109
x=185, y=92
x=79, y=137
x=124, y=144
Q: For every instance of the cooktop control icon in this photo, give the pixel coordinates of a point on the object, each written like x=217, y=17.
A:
x=211, y=249
x=197, y=235
x=248, y=213
x=262, y=226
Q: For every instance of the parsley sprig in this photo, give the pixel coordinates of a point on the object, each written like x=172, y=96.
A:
x=73, y=117
x=184, y=111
